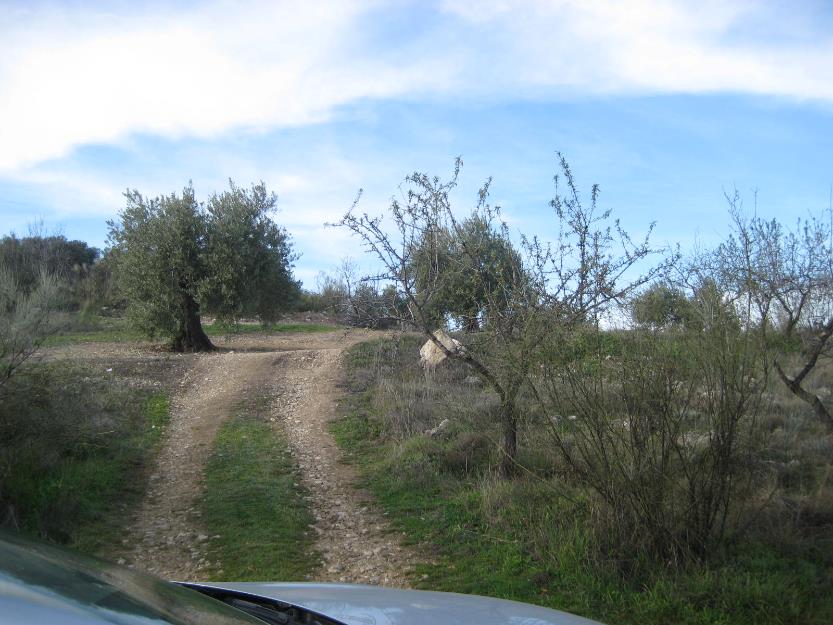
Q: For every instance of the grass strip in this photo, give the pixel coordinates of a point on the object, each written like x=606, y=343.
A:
x=267, y=328
x=254, y=507
x=95, y=329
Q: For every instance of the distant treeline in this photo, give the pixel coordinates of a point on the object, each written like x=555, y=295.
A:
x=81, y=269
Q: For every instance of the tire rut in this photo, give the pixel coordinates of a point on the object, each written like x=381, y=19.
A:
x=166, y=537
x=354, y=541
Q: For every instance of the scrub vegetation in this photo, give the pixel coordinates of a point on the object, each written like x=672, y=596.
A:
x=75, y=445
x=676, y=469
x=551, y=535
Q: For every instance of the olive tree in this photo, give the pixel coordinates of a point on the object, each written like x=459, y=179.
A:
x=176, y=259
x=661, y=306
x=463, y=269
x=541, y=290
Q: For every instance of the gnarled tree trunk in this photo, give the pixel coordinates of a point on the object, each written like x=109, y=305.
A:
x=191, y=337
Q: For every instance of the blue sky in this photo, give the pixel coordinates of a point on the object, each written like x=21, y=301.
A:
x=665, y=104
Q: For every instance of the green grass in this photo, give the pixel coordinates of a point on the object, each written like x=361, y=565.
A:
x=254, y=502
x=267, y=328
x=113, y=483
x=118, y=330
x=515, y=539
x=96, y=330
x=74, y=462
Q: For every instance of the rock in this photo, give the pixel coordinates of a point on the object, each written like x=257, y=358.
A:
x=431, y=355
x=442, y=427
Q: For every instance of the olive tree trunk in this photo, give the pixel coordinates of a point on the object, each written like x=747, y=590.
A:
x=191, y=337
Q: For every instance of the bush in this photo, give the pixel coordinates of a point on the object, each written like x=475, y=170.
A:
x=27, y=317
x=546, y=537
x=72, y=440
x=665, y=437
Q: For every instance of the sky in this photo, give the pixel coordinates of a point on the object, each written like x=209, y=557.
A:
x=667, y=106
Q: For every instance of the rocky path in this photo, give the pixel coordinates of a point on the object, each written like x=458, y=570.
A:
x=355, y=541
x=302, y=372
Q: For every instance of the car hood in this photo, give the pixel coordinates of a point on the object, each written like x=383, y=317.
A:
x=371, y=605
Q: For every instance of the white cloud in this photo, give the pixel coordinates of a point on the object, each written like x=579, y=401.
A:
x=655, y=46
x=68, y=79
x=80, y=76
x=73, y=193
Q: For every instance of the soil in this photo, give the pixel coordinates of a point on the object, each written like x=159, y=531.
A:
x=302, y=373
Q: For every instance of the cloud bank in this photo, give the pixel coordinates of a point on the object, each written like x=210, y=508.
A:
x=79, y=76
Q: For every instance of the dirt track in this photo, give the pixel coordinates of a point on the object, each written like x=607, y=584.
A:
x=301, y=372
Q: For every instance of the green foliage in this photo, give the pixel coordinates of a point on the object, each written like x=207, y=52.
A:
x=253, y=505
x=175, y=259
x=467, y=269
x=248, y=257
x=661, y=306
x=73, y=446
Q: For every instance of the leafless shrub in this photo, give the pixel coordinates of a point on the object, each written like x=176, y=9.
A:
x=664, y=434
x=27, y=317
x=787, y=274
x=541, y=290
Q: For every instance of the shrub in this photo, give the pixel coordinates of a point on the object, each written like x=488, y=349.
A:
x=665, y=437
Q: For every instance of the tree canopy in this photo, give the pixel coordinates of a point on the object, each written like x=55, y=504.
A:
x=661, y=306
x=176, y=258
x=468, y=268
x=28, y=257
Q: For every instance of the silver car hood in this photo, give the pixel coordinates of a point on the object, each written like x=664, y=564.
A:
x=372, y=605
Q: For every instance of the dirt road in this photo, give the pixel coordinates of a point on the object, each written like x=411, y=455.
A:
x=301, y=372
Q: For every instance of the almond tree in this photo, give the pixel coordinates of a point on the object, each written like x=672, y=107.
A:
x=543, y=291
x=788, y=274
